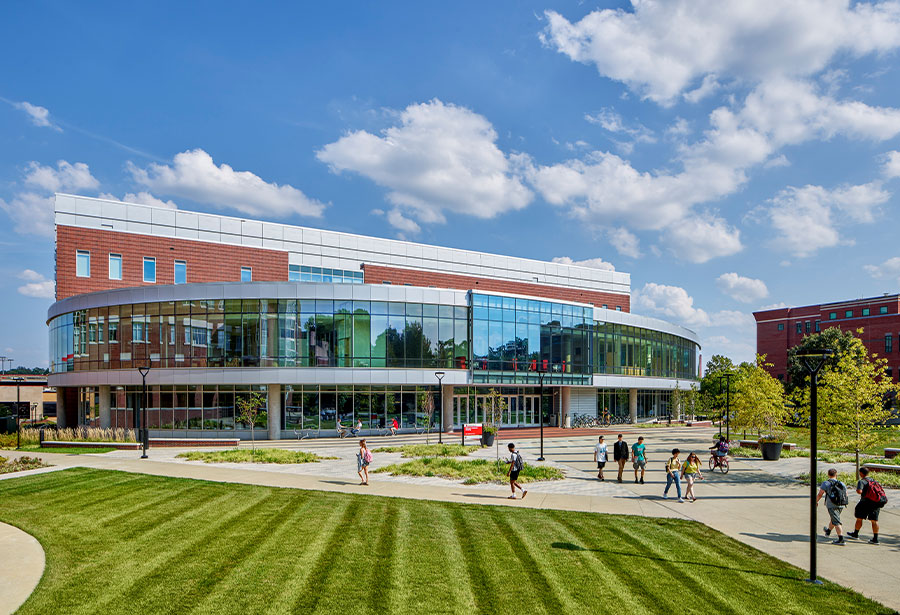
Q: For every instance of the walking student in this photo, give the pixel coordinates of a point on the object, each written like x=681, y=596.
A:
x=673, y=470
x=620, y=454
x=516, y=464
x=835, y=500
x=600, y=457
x=872, y=499
x=639, y=459
x=363, y=459
x=691, y=472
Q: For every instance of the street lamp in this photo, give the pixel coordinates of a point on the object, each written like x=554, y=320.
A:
x=727, y=376
x=813, y=360
x=541, y=374
x=440, y=377
x=146, y=432
x=18, y=412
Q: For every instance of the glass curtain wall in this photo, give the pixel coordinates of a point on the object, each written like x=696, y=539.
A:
x=632, y=351
x=185, y=407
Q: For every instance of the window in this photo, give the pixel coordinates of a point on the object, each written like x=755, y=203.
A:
x=293, y=273
x=618, y=308
x=385, y=282
x=865, y=312
x=781, y=326
x=799, y=328
x=605, y=307
x=113, y=331
x=808, y=327
x=888, y=343
x=848, y=314
x=83, y=264
x=832, y=315
x=818, y=326
x=180, y=272
x=115, y=266
x=246, y=274
x=149, y=269
x=882, y=309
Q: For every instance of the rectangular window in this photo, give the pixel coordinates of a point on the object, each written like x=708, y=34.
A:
x=149, y=269
x=888, y=343
x=605, y=307
x=293, y=273
x=808, y=327
x=818, y=326
x=865, y=312
x=848, y=314
x=115, y=266
x=781, y=326
x=113, y=331
x=882, y=309
x=385, y=282
x=618, y=308
x=180, y=272
x=83, y=263
x=832, y=315
x=799, y=328
x=246, y=274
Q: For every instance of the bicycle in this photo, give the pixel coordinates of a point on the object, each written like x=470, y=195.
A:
x=720, y=462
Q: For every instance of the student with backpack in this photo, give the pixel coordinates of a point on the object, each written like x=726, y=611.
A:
x=872, y=500
x=835, y=500
x=516, y=465
x=363, y=459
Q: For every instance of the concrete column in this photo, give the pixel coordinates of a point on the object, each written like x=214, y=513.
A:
x=632, y=404
x=105, y=421
x=565, y=405
x=61, y=407
x=447, y=406
x=274, y=410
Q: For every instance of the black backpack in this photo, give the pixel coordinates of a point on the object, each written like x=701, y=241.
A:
x=519, y=463
x=837, y=493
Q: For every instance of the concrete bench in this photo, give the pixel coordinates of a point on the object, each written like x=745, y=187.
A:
x=882, y=467
x=890, y=453
x=788, y=446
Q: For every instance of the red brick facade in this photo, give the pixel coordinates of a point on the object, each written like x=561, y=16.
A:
x=206, y=262
x=775, y=343
x=377, y=274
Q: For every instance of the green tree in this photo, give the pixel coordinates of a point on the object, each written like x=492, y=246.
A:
x=758, y=399
x=854, y=397
x=712, y=395
x=841, y=342
x=495, y=410
x=249, y=411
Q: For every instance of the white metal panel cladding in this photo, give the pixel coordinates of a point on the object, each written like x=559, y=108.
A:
x=129, y=217
x=583, y=401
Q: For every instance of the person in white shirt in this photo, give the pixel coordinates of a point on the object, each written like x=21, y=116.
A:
x=355, y=432
x=600, y=457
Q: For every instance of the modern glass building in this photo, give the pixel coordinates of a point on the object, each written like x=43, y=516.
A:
x=402, y=339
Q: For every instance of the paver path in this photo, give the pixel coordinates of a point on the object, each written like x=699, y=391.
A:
x=21, y=567
x=757, y=502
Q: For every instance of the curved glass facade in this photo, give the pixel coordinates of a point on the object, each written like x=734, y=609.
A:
x=501, y=339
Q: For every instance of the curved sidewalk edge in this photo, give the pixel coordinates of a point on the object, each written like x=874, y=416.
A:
x=21, y=567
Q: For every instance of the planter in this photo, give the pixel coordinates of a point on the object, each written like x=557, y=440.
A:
x=487, y=439
x=771, y=451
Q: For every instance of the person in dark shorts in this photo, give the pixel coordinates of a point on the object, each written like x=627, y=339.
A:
x=515, y=466
x=865, y=509
x=620, y=454
x=600, y=457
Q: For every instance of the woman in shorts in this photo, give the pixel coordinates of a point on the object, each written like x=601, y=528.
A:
x=363, y=459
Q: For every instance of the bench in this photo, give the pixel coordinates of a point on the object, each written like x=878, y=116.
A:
x=882, y=467
x=890, y=453
x=303, y=434
x=788, y=446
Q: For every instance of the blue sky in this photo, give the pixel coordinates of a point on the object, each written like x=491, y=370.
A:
x=729, y=155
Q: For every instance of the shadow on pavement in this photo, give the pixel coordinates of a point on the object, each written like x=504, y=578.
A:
x=483, y=496
x=775, y=537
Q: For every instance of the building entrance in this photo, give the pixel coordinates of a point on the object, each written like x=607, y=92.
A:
x=521, y=410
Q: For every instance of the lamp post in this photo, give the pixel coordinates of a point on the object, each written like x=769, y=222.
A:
x=541, y=374
x=18, y=401
x=145, y=436
x=727, y=376
x=440, y=377
x=813, y=360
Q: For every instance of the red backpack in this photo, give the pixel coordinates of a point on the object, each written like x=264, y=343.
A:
x=874, y=492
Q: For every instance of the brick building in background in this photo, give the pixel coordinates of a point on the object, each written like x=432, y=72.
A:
x=780, y=329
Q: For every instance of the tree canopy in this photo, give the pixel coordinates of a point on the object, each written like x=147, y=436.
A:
x=841, y=342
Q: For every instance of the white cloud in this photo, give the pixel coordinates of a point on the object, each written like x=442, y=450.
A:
x=673, y=302
x=439, y=158
x=625, y=242
x=593, y=263
x=891, y=167
x=193, y=175
x=743, y=289
x=703, y=238
x=31, y=213
x=141, y=198
x=777, y=161
x=709, y=85
x=396, y=218
x=36, y=285
x=732, y=319
x=663, y=49
x=806, y=219
x=679, y=128
x=65, y=176
x=888, y=269
x=608, y=119
x=40, y=116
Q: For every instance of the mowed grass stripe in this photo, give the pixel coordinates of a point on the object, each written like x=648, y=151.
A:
x=484, y=589
x=384, y=576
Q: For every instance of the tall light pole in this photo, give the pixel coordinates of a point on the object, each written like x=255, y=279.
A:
x=440, y=377
x=18, y=401
x=541, y=374
x=145, y=436
x=727, y=376
x=813, y=360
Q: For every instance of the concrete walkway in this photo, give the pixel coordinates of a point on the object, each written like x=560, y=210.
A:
x=757, y=503
x=21, y=567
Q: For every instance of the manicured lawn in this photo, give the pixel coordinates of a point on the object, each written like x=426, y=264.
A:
x=888, y=480
x=20, y=464
x=129, y=543
x=428, y=450
x=68, y=450
x=471, y=472
x=887, y=437
x=246, y=455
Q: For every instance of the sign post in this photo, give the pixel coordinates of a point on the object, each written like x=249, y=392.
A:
x=471, y=430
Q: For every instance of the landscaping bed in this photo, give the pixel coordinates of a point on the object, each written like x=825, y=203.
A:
x=20, y=464
x=471, y=472
x=428, y=450
x=246, y=455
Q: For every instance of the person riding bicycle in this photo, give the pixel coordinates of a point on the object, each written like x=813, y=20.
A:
x=720, y=449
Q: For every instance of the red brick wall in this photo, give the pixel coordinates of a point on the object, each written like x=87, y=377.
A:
x=206, y=262
x=377, y=274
